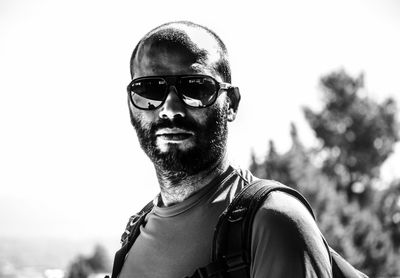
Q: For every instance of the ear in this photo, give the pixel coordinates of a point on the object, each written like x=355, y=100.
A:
x=234, y=100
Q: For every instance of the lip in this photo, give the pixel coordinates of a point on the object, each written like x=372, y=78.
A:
x=172, y=131
x=174, y=134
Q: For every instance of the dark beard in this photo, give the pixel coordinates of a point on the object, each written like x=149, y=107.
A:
x=210, y=144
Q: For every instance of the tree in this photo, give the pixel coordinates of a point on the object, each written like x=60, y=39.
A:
x=99, y=261
x=358, y=134
x=83, y=266
x=339, y=177
x=389, y=211
x=79, y=268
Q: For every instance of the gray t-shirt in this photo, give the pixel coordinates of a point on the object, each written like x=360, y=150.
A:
x=176, y=240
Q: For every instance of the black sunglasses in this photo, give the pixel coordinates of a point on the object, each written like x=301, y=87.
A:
x=197, y=91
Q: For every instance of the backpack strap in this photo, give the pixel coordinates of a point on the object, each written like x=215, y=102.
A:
x=232, y=239
x=129, y=236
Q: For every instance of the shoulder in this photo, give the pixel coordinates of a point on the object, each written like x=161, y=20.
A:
x=285, y=213
x=284, y=224
x=283, y=206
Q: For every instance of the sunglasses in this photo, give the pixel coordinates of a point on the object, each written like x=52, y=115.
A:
x=197, y=91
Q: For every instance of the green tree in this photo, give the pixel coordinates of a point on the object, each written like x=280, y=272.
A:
x=340, y=176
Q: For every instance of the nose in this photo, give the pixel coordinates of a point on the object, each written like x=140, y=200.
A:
x=173, y=106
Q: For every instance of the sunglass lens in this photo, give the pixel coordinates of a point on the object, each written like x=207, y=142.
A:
x=198, y=91
x=148, y=93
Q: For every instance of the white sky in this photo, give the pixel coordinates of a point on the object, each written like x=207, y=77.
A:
x=70, y=163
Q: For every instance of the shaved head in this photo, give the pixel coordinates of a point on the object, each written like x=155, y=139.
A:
x=200, y=46
x=181, y=140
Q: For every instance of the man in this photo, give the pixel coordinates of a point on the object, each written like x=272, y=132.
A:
x=180, y=103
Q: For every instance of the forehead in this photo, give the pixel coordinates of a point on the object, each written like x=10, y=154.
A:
x=169, y=58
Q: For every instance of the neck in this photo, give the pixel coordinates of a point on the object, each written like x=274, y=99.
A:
x=177, y=187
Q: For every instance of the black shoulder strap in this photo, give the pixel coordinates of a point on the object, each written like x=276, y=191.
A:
x=230, y=252
x=133, y=220
x=128, y=238
x=232, y=239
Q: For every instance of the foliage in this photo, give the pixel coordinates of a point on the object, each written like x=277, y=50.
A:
x=358, y=133
x=341, y=177
x=83, y=266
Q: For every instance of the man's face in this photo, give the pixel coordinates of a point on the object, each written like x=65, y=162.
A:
x=178, y=138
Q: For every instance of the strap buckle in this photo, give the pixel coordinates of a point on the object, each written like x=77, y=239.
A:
x=235, y=262
x=237, y=215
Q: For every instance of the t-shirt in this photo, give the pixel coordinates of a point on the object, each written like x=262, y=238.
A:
x=174, y=241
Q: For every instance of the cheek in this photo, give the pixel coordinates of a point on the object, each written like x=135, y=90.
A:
x=144, y=118
x=212, y=113
x=221, y=104
x=199, y=116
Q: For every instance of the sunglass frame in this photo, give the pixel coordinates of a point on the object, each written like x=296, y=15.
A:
x=167, y=78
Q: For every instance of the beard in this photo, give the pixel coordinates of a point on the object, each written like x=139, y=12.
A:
x=209, y=146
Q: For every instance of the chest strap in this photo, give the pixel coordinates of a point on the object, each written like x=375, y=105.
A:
x=129, y=236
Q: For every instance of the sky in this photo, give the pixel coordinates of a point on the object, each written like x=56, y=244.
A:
x=70, y=162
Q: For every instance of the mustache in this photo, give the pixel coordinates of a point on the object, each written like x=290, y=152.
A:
x=183, y=123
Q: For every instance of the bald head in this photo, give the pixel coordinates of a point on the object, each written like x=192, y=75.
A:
x=183, y=43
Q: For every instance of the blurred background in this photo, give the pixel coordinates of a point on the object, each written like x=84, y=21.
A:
x=320, y=93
